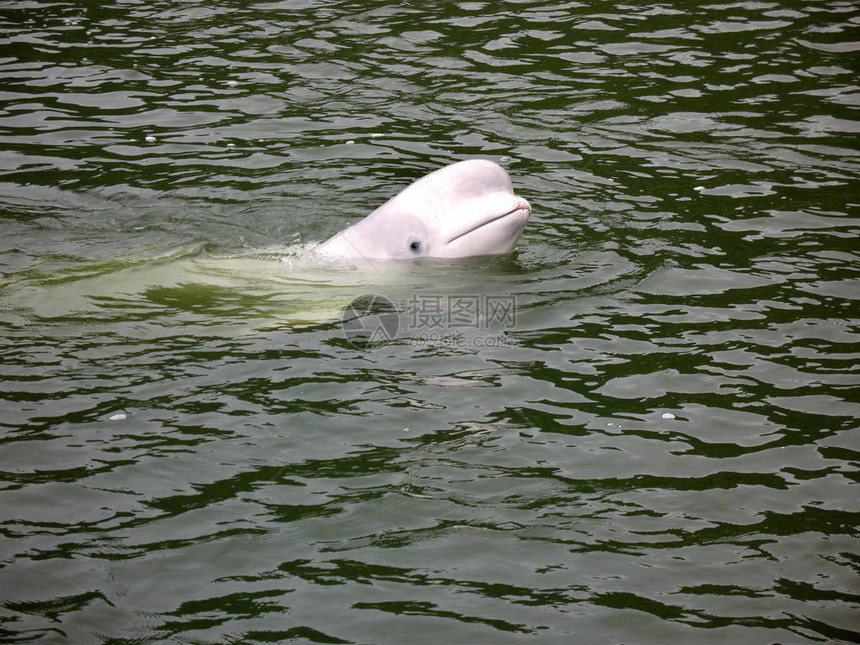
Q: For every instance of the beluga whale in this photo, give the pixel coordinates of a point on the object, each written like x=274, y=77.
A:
x=465, y=209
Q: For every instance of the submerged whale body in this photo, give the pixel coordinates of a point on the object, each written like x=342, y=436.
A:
x=465, y=209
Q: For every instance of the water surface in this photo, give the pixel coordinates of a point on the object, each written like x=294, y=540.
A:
x=659, y=447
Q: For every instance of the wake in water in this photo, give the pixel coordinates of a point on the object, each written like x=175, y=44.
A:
x=289, y=284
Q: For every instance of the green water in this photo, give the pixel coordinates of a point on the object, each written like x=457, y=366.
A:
x=659, y=447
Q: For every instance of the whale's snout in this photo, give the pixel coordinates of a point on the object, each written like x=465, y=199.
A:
x=490, y=226
x=523, y=207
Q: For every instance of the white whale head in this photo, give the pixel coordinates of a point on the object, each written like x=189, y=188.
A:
x=467, y=208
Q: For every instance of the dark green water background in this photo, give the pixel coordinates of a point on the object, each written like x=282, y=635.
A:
x=693, y=251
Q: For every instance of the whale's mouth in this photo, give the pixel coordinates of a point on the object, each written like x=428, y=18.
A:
x=501, y=230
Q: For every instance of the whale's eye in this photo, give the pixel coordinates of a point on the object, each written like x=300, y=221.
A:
x=415, y=245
